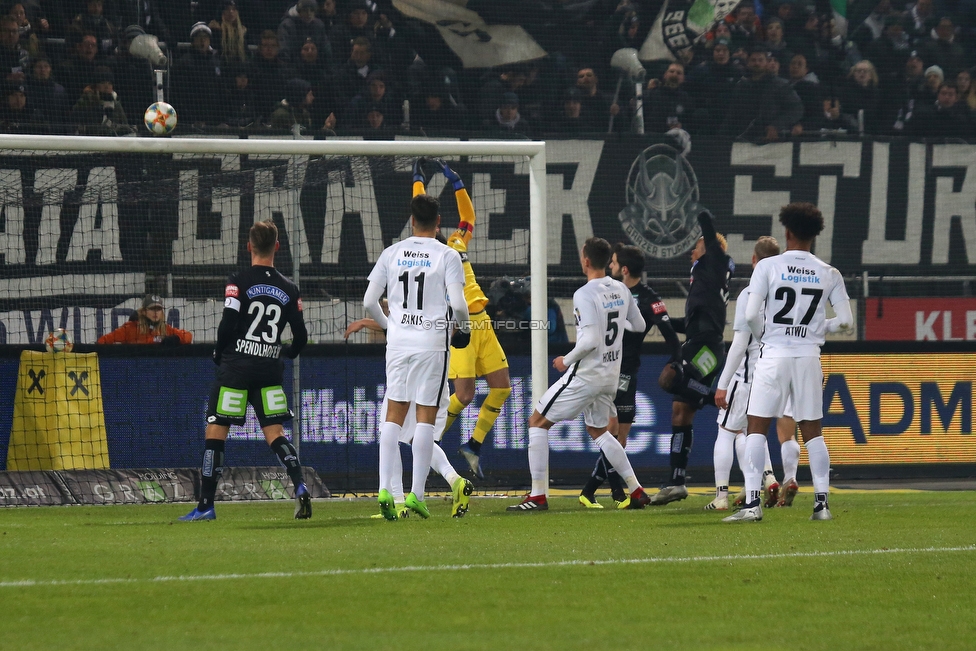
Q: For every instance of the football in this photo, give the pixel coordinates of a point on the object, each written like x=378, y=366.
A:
x=160, y=119
x=59, y=341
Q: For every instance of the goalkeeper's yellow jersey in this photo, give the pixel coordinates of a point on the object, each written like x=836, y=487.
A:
x=458, y=241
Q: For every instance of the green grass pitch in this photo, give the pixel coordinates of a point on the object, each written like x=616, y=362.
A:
x=893, y=570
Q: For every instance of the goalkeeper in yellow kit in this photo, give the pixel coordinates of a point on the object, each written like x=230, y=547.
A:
x=484, y=356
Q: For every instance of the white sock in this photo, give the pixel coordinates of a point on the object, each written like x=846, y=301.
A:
x=752, y=468
x=538, y=459
x=396, y=483
x=791, y=459
x=423, y=448
x=443, y=467
x=389, y=453
x=768, y=467
x=819, y=464
x=740, y=451
x=617, y=457
x=722, y=456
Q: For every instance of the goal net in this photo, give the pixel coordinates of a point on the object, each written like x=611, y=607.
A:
x=91, y=227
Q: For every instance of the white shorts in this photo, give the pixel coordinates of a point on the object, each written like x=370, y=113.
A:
x=570, y=395
x=410, y=420
x=779, y=380
x=734, y=419
x=416, y=377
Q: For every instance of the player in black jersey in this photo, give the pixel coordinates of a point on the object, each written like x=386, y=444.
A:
x=627, y=265
x=258, y=302
x=703, y=352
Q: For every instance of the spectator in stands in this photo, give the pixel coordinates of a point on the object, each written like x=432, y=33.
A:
x=900, y=98
x=232, y=34
x=497, y=82
x=295, y=31
x=148, y=326
x=196, y=81
x=31, y=19
x=873, y=25
x=921, y=15
x=889, y=51
x=353, y=75
x=507, y=118
x=17, y=114
x=268, y=75
x=711, y=83
x=329, y=15
x=966, y=90
x=745, y=27
x=93, y=21
x=806, y=85
x=860, y=92
x=78, y=70
x=943, y=50
x=775, y=43
x=294, y=108
x=47, y=96
x=437, y=111
x=667, y=105
x=597, y=107
x=570, y=120
x=376, y=122
x=99, y=111
x=135, y=81
x=762, y=107
x=934, y=78
x=944, y=118
x=239, y=105
x=29, y=40
x=344, y=35
x=310, y=68
x=151, y=16
x=375, y=96
x=14, y=60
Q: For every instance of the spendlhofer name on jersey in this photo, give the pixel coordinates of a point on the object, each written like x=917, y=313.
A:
x=258, y=349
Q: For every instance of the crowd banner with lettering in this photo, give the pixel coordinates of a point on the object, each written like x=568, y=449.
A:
x=920, y=319
x=680, y=24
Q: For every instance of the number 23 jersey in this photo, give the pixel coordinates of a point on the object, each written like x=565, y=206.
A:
x=795, y=286
x=266, y=301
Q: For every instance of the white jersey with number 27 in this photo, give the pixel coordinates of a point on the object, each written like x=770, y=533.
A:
x=796, y=286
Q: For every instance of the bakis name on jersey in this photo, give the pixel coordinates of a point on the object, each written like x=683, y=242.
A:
x=800, y=275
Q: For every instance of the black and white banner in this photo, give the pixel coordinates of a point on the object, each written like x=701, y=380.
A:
x=680, y=24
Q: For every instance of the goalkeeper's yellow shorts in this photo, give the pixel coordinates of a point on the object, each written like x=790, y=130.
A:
x=482, y=356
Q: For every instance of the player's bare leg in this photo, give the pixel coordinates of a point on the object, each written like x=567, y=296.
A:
x=812, y=433
x=538, y=465
x=790, y=451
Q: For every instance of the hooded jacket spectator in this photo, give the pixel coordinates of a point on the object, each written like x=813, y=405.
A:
x=196, y=81
x=761, y=104
x=294, y=31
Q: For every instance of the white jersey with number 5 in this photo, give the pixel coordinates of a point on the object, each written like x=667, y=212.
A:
x=416, y=273
x=606, y=304
x=796, y=286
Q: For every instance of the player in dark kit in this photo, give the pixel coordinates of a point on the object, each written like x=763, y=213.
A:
x=627, y=265
x=703, y=352
x=258, y=302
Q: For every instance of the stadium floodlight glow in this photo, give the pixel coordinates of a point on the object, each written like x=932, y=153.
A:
x=533, y=151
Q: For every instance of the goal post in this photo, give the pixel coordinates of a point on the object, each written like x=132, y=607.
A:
x=532, y=152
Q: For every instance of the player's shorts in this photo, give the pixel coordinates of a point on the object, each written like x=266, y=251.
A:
x=240, y=384
x=735, y=419
x=570, y=396
x=482, y=356
x=416, y=377
x=703, y=362
x=410, y=420
x=626, y=399
x=777, y=380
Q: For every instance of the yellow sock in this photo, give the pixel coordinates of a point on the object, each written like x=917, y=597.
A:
x=489, y=412
x=453, y=411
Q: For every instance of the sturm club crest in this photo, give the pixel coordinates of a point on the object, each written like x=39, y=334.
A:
x=662, y=203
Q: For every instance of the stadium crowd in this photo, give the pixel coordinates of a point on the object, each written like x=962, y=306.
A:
x=772, y=69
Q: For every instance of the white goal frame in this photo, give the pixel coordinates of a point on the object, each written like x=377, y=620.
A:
x=535, y=151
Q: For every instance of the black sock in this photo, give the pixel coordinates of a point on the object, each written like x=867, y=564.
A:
x=212, y=469
x=475, y=446
x=682, y=438
x=288, y=456
x=617, y=486
x=752, y=499
x=597, y=477
x=819, y=501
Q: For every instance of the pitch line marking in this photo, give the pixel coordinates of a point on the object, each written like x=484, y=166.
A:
x=30, y=583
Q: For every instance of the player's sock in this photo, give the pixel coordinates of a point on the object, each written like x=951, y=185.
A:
x=768, y=465
x=213, y=467
x=396, y=479
x=819, y=464
x=740, y=448
x=288, y=456
x=721, y=491
x=618, y=458
x=389, y=455
x=423, y=450
x=538, y=459
x=597, y=477
x=490, y=409
x=682, y=438
x=722, y=456
x=790, y=452
x=443, y=467
x=752, y=469
x=618, y=488
x=454, y=410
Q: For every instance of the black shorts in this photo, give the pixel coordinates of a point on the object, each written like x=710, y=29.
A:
x=703, y=362
x=626, y=398
x=241, y=383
